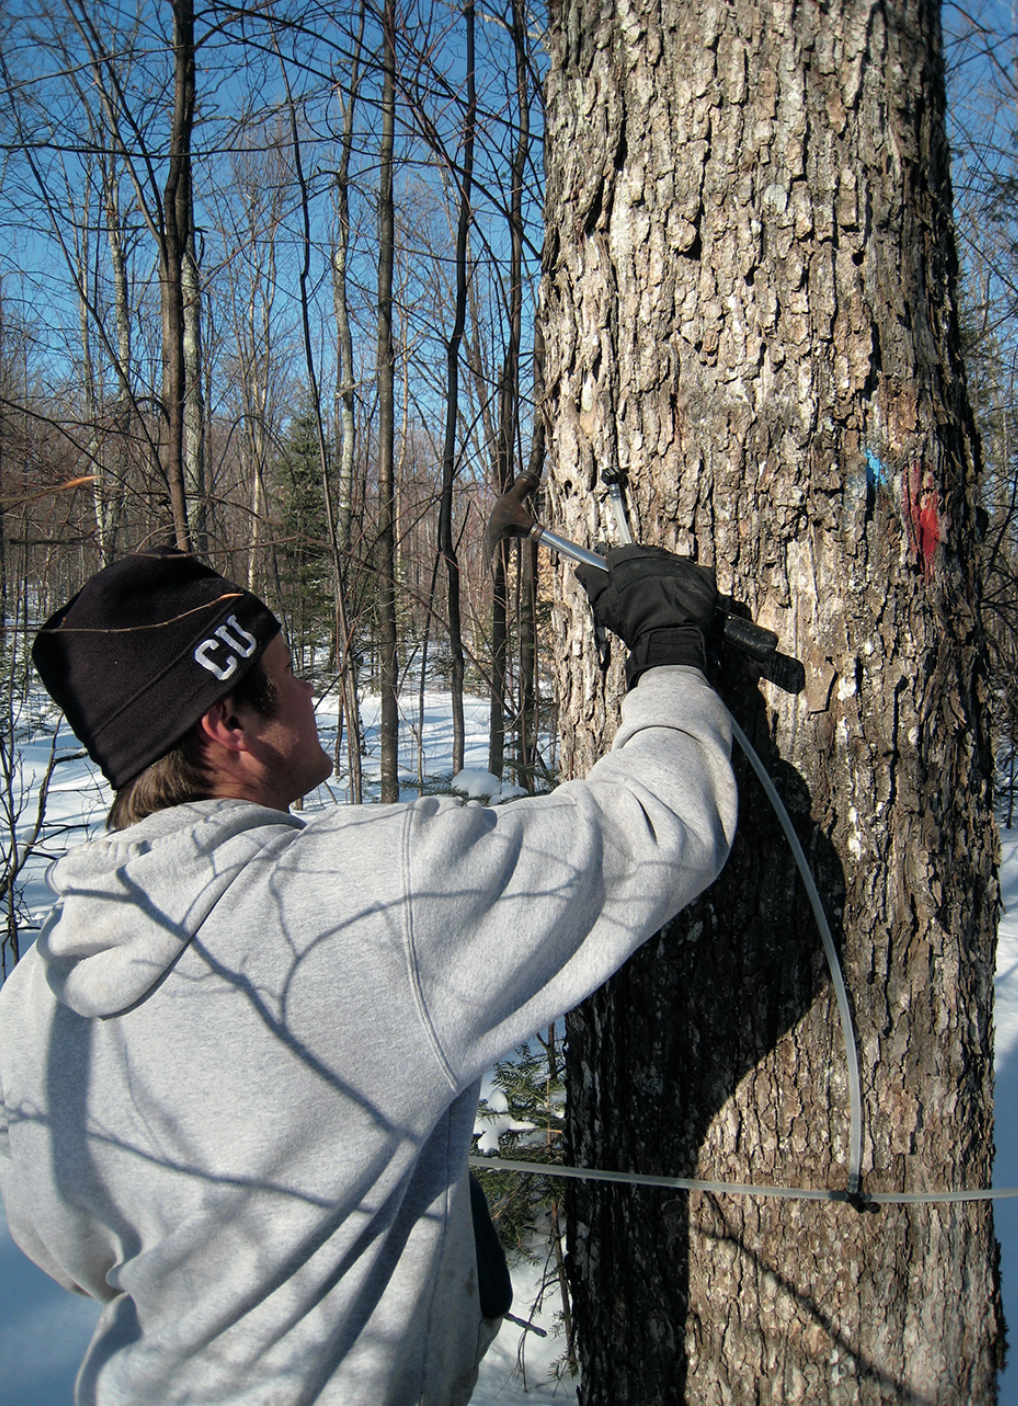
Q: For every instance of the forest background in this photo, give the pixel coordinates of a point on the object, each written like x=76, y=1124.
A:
x=267, y=291
x=268, y=283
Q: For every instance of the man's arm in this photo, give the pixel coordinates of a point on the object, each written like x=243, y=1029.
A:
x=520, y=912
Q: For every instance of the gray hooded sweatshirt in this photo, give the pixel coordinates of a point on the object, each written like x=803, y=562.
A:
x=239, y=1069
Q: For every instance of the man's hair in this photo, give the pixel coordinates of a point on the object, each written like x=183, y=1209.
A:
x=182, y=775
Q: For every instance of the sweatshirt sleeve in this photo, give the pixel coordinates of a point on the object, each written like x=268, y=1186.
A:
x=517, y=913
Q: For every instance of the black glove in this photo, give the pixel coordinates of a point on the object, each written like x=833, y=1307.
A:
x=660, y=605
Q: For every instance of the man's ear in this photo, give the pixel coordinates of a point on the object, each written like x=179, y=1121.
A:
x=223, y=724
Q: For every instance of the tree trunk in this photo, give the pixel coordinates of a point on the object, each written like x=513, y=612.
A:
x=125, y=417
x=345, y=384
x=749, y=304
x=509, y=397
x=505, y=445
x=446, y=535
x=386, y=548
x=194, y=400
x=93, y=412
x=176, y=214
x=341, y=630
x=345, y=371
x=527, y=734
x=6, y=395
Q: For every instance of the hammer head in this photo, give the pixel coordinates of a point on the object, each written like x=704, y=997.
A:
x=510, y=517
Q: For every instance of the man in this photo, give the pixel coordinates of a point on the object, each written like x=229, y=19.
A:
x=239, y=1070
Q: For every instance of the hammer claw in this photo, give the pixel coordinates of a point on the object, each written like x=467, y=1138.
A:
x=510, y=517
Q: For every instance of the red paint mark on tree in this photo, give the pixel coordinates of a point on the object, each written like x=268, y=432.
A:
x=923, y=520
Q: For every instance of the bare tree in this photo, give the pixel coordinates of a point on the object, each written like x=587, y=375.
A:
x=506, y=446
x=174, y=234
x=346, y=379
x=446, y=539
x=385, y=533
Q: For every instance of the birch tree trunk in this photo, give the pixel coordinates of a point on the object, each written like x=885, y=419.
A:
x=749, y=304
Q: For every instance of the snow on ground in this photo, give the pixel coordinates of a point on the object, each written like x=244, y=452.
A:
x=522, y=1365
x=44, y=1331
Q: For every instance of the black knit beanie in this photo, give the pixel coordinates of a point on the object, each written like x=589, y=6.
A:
x=143, y=650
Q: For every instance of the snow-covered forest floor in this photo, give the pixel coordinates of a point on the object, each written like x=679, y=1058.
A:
x=44, y=1331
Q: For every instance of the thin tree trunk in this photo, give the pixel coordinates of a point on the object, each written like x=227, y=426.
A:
x=6, y=395
x=175, y=230
x=345, y=382
x=509, y=393
x=446, y=541
x=256, y=399
x=194, y=399
x=257, y=502
x=116, y=501
x=500, y=582
x=749, y=304
x=96, y=457
x=389, y=729
x=527, y=732
x=343, y=633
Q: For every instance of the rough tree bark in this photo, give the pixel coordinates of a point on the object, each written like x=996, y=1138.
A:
x=749, y=304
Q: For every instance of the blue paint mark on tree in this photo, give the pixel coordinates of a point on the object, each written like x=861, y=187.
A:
x=876, y=473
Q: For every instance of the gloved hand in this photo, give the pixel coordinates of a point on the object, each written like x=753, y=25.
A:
x=660, y=605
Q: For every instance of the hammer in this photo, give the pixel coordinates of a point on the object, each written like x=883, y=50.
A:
x=510, y=517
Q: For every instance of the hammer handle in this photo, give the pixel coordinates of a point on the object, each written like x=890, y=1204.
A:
x=567, y=549
x=742, y=634
x=752, y=639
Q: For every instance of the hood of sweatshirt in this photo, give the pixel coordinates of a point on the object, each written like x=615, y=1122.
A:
x=128, y=904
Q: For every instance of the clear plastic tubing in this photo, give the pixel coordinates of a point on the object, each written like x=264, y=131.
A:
x=851, y=1055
